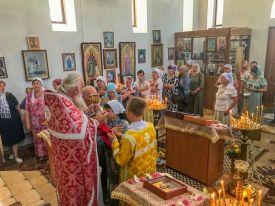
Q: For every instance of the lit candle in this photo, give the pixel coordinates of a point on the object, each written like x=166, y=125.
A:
x=223, y=192
x=259, y=197
x=220, y=197
x=249, y=192
x=251, y=201
x=213, y=201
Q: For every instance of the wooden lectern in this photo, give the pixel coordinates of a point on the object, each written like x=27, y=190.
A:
x=192, y=152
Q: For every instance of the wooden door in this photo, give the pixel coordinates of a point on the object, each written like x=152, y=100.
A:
x=269, y=96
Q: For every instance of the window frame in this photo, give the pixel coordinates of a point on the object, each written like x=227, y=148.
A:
x=63, y=12
x=216, y=14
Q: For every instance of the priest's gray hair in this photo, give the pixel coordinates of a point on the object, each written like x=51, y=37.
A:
x=70, y=81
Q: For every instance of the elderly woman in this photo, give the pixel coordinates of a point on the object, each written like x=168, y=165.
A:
x=256, y=85
x=156, y=84
x=11, y=128
x=196, y=90
x=184, y=82
x=226, y=99
x=35, y=117
x=111, y=94
x=170, y=87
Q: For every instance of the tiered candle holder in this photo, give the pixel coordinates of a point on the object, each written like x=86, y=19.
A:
x=155, y=103
x=242, y=192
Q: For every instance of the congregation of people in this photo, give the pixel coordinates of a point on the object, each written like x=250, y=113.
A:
x=99, y=135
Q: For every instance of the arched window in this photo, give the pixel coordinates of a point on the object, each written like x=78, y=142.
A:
x=187, y=15
x=62, y=13
x=272, y=15
x=139, y=16
x=215, y=13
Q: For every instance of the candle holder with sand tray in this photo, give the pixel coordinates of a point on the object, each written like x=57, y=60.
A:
x=165, y=187
x=232, y=189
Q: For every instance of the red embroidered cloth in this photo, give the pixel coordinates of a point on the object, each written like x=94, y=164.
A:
x=74, y=151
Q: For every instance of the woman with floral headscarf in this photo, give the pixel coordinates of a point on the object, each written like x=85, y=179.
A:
x=35, y=117
x=170, y=87
x=196, y=90
x=256, y=85
x=226, y=99
x=11, y=128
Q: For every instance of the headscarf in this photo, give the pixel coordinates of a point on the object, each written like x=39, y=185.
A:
x=57, y=82
x=256, y=71
x=37, y=79
x=111, y=87
x=4, y=107
x=40, y=80
x=173, y=66
x=190, y=62
x=116, y=106
x=158, y=71
x=101, y=78
x=226, y=76
x=229, y=66
x=198, y=66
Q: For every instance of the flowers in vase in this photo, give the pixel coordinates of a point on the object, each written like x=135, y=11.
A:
x=233, y=150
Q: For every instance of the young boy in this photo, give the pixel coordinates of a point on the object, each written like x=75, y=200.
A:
x=136, y=153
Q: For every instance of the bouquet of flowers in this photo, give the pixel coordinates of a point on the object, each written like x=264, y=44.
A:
x=233, y=150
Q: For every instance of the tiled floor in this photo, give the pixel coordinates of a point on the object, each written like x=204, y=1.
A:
x=30, y=188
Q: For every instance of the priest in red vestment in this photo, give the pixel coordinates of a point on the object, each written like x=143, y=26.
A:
x=73, y=138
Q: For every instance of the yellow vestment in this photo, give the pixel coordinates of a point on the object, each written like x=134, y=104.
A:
x=136, y=153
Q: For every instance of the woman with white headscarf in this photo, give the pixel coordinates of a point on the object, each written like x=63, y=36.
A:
x=35, y=117
x=196, y=90
x=226, y=99
x=115, y=121
x=11, y=128
x=156, y=84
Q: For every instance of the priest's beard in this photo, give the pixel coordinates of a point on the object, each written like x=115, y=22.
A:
x=79, y=102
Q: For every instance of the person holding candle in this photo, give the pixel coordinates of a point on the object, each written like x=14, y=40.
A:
x=256, y=85
x=226, y=99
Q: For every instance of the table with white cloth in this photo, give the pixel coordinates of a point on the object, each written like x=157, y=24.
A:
x=136, y=195
x=194, y=150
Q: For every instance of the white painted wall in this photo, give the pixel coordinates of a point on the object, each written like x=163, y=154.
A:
x=254, y=14
x=19, y=19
